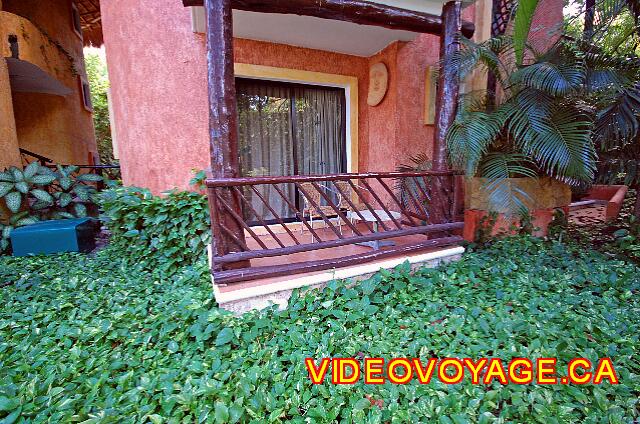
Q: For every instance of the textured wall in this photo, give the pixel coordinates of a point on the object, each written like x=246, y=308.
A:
x=157, y=67
x=56, y=127
x=547, y=24
x=8, y=137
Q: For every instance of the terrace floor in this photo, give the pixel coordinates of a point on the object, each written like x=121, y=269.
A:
x=253, y=289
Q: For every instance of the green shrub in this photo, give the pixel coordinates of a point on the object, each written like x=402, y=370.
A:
x=98, y=77
x=166, y=232
x=99, y=340
x=39, y=193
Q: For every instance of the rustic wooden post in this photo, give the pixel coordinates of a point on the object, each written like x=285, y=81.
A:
x=223, y=131
x=448, y=81
x=446, y=103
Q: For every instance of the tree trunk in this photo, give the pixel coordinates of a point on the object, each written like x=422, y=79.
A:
x=589, y=13
x=636, y=209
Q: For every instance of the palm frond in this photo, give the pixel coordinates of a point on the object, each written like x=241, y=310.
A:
x=562, y=147
x=521, y=26
x=486, y=55
x=610, y=72
x=619, y=123
x=469, y=138
x=556, y=79
x=505, y=195
x=527, y=112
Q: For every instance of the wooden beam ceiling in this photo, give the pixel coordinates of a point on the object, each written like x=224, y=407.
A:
x=355, y=11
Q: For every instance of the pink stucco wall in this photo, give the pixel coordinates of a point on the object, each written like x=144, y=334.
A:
x=157, y=68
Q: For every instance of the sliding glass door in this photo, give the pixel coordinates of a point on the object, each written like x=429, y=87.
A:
x=289, y=129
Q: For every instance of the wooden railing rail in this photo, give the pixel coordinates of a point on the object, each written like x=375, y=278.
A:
x=288, y=215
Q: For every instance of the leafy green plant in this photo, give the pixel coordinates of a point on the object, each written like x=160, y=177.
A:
x=555, y=107
x=40, y=193
x=611, y=42
x=71, y=192
x=539, y=127
x=17, y=186
x=99, y=81
x=628, y=242
x=5, y=237
x=168, y=232
x=137, y=348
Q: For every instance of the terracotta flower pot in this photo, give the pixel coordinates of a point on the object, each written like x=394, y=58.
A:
x=545, y=196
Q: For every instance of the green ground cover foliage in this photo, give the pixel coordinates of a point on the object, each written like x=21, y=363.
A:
x=99, y=340
x=160, y=233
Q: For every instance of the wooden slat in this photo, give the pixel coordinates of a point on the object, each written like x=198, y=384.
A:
x=258, y=217
x=242, y=181
x=413, y=199
x=395, y=199
x=240, y=243
x=256, y=254
x=381, y=203
x=356, y=11
x=277, y=217
x=298, y=213
x=336, y=209
x=237, y=275
x=355, y=209
x=368, y=206
x=319, y=209
x=240, y=220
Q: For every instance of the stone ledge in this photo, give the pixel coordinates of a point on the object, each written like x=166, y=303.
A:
x=261, y=296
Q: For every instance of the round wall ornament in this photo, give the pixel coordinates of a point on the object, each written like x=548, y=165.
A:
x=378, y=83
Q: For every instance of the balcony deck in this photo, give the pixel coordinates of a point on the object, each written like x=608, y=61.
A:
x=257, y=293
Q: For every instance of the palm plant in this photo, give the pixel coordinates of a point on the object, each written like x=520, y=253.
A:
x=611, y=50
x=557, y=110
x=540, y=124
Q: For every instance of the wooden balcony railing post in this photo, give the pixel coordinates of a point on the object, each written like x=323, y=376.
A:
x=228, y=233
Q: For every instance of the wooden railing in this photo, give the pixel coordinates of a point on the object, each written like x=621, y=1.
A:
x=265, y=217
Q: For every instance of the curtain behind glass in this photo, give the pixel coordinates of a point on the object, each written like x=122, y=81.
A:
x=265, y=141
x=319, y=130
x=275, y=141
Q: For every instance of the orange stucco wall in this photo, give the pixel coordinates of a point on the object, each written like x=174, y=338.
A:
x=8, y=137
x=157, y=67
x=54, y=126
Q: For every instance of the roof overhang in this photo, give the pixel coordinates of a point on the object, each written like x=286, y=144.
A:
x=25, y=77
x=315, y=33
x=90, y=21
x=413, y=16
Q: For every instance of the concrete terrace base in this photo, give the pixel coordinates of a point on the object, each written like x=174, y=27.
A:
x=242, y=297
